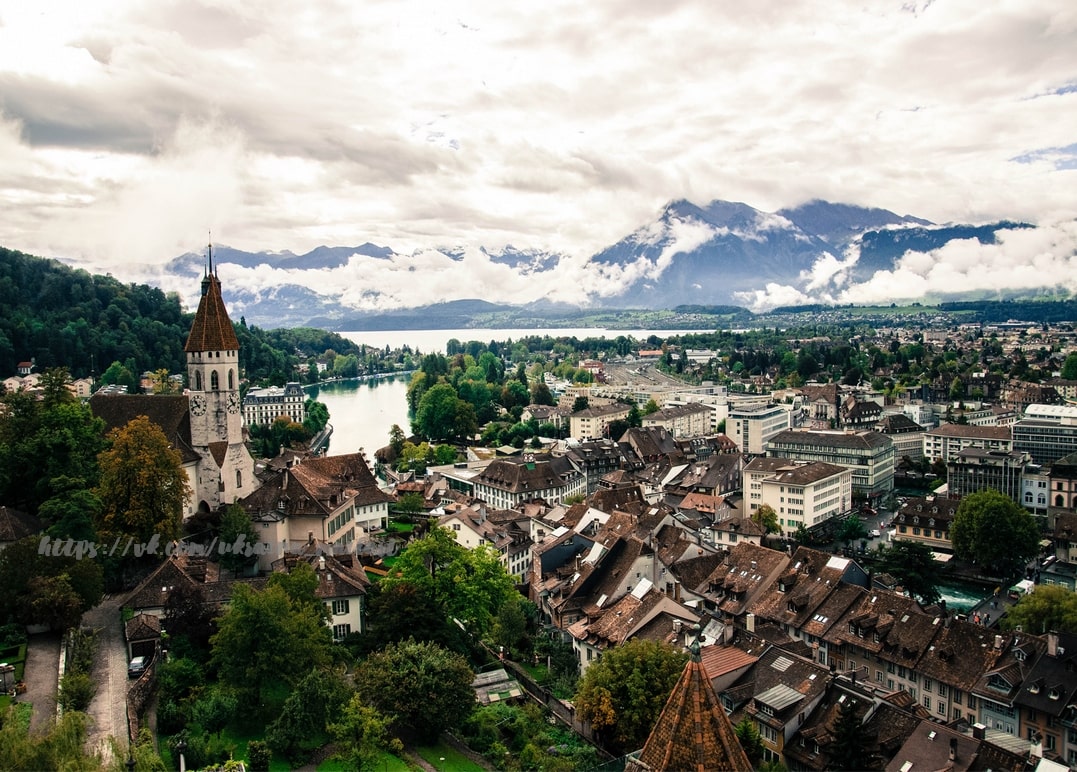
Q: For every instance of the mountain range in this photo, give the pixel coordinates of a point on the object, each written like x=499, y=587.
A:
x=719, y=254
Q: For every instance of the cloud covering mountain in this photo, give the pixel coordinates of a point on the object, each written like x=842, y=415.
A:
x=721, y=253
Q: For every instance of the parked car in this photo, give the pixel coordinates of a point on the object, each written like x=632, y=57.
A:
x=875, y=533
x=136, y=667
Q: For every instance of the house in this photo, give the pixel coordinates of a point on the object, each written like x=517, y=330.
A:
x=333, y=499
x=596, y=459
x=507, y=482
x=927, y=520
x=776, y=694
x=905, y=433
x=342, y=586
x=1048, y=698
x=593, y=422
x=15, y=525
x=142, y=633
x=682, y=421
x=471, y=527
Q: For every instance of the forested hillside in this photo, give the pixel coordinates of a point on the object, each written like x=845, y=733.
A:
x=59, y=316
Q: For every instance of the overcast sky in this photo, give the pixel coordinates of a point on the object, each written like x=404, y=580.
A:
x=130, y=129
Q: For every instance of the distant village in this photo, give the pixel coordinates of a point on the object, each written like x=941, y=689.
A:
x=656, y=533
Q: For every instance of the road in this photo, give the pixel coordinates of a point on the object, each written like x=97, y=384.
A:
x=108, y=710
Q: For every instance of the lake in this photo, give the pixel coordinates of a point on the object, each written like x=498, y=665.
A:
x=363, y=411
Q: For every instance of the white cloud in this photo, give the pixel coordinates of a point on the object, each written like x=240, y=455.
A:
x=128, y=129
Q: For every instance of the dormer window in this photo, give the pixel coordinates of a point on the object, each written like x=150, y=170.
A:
x=916, y=521
x=1053, y=694
x=931, y=522
x=1019, y=655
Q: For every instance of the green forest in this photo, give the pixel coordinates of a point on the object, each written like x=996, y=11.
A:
x=58, y=316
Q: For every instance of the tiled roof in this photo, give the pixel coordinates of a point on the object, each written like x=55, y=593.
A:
x=809, y=473
x=693, y=733
x=851, y=440
x=317, y=487
x=142, y=626
x=169, y=412
x=972, y=431
x=212, y=329
x=15, y=525
x=898, y=423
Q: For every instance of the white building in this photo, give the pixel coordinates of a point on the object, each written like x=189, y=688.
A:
x=805, y=493
x=752, y=426
x=264, y=406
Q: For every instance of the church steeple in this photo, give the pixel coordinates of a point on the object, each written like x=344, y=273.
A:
x=693, y=733
x=212, y=329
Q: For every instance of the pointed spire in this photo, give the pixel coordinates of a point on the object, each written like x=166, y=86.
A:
x=693, y=733
x=212, y=329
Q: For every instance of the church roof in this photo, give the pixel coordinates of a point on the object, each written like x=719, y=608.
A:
x=169, y=412
x=693, y=732
x=212, y=329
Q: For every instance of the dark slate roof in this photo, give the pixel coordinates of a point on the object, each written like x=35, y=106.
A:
x=806, y=474
x=317, y=487
x=854, y=440
x=142, y=627
x=518, y=475
x=898, y=423
x=15, y=525
x=693, y=733
x=628, y=498
x=212, y=329
x=169, y=412
x=972, y=431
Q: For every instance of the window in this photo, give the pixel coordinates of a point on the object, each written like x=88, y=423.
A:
x=942, y=690
x=927, y=684
x=198, y=380
x=341, y=631
x=231, y=380
x=942, y=708
x=214, y=381
x=340, y=607
x=239, y=478
x=927, y=702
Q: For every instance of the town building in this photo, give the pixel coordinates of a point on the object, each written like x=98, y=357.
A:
x=947, y=440
x=262, y=407
x=927, y=520
x=506, y=483
x=682, y=421
x=974, y=470
x=807, y=494
x=1047, y=432
x=593, y=422
x=870, y=455
x=753, y=426
x=906, y=434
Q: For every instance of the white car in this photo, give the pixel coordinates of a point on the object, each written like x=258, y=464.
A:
x=874, y=533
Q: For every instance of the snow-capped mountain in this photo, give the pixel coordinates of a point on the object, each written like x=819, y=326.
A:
x=721, y=253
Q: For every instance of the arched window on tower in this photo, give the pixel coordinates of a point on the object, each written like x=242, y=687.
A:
x=198, y=380
x=239, y=477
x=214, y=381
x=231, y=380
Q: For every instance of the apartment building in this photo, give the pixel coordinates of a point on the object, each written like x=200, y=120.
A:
x=1047, y=432
x=807, y=493
x=946, y=441
x=870, y=455
x=752, y=426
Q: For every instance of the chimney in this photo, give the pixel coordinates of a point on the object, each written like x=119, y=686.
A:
x=998, y=642
x=953, y=748
x=1052, y=644
x=749, y=622
x=979, y=731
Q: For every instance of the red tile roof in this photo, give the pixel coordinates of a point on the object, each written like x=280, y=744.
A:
x=212, y=329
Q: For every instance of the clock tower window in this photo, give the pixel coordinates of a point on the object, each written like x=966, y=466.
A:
x=214, y=381
x=231, y=380
x=197, y=380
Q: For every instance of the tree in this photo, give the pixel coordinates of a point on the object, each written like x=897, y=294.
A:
x=510, y=624
x=750, y=740
x=410, y=503
x=766, y=518
x=143, y=486
x=469, y=585
x=317, y=416
x=190, y=620
x=399, y=610
x=914, y=566
x=272, y=635
x=396, y=439
x=580, y=403
x=421, y=687
x=52, y=601
x=847, y=751
x=541, y=394
x=441, y=414
x=623, y=692
x=1069, y=367
x=851, y=529
x=993, y=532
x=362, y=735
x=236, y=535
x=161, y=382
x=315, y=700
x=1050, y=607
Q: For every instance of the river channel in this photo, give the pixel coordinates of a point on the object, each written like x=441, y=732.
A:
x=363, y=411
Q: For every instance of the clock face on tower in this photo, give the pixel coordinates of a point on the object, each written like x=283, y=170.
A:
x=198, y=404
x=233, y=402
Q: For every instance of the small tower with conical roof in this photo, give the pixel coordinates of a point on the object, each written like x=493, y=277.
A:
x=227, y=471
x=693, y=733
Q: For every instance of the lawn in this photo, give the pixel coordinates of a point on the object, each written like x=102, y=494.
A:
x=446, y=757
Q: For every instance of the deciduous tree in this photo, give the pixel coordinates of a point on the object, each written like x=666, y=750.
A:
x=622, y=693
x=913, y=565
x=1048, y=607
x=993, y=532
x=420, y=686
x=143, y=486
x=766, y=518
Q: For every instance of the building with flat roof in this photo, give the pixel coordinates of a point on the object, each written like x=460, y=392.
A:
x=974, y=470
x=752, y=426
x=1047, y=432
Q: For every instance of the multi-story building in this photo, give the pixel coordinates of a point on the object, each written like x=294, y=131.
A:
x=596, y=459
x=905, y=433
x=505, y=482
x=973, y=470
x=807, y=493
x=264, y=406
x=1047, y=432
x=593, y=422
x=752, y=426
x=1062, y=488
x=927, y=520
x=870, y=455
x=946, y=441
x=682, y=421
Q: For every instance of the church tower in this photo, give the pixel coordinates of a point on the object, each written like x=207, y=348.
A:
x=227, y=469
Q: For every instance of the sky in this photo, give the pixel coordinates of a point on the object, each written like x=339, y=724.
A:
x=131, y=130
